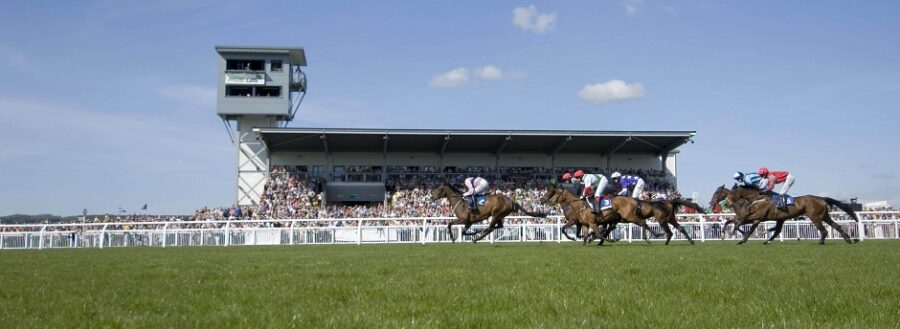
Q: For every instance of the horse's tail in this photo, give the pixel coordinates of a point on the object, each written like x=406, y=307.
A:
x=518, y=207
x=692, y=205
x=845, y=207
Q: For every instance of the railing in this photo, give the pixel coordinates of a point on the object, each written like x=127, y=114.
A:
x=885, y=225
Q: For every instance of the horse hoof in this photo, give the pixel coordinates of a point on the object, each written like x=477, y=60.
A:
x=691, y=241
x=740, y=242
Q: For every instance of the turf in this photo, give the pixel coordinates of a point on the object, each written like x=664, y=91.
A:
x=795, y=284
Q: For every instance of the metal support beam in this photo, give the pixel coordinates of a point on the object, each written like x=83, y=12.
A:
x=503, y=144
x=648, y=143
x=325, y=143
x=613, y=149
x=444, y=146
x=672, y=146
x=386, y=138
x=560, y=145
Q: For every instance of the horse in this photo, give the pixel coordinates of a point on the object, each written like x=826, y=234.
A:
x=667, y=217
x=575, y=211
x=623, y=209
x=752, y=207
x=496, y=207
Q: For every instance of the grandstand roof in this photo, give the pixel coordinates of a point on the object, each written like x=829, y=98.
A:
x=475, y=141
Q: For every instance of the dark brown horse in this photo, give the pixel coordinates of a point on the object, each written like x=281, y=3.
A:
x=495, y=207
x=753, y=207
x=624, y=209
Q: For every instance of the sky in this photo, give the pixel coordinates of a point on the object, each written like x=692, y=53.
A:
x=111, y=104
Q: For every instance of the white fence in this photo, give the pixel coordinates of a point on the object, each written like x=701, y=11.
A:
x=874, y=225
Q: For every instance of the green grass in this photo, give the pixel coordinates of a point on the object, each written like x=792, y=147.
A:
x=712, y=285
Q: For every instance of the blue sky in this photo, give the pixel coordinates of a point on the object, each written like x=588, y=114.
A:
x=112, y=103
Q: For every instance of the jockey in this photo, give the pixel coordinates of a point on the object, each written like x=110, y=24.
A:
x=777, y=177
x=475, y=186
x=596, y=183
x=751, y=180
x=628, y=181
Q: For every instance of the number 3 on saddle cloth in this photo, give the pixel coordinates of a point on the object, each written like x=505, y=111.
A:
x=602, y=203
x=476, y=200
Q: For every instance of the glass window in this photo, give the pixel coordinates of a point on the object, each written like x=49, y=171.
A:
x=276, y=66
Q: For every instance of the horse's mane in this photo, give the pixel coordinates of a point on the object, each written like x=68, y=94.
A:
x=454, y=189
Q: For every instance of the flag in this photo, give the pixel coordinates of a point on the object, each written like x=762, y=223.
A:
x=144, y=207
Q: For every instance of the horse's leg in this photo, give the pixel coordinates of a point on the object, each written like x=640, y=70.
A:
x=450, y=228
x=495, y=222
x=822, y=232
x=827, y=219
x=667, y=230
x=597, y=232
x=775, y=231
x=682, y=230
x=568, y=225
x=749, y=232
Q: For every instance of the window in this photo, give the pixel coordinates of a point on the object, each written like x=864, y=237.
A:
x=268, y=91
x=276, y=66
x=235, y=91
x=247, y=91
x=245, y=65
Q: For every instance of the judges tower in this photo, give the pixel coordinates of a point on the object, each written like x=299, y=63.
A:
x=259, y=87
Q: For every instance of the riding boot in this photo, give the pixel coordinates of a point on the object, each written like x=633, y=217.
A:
x=472, y=205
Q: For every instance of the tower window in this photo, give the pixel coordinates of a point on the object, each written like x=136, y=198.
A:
x=276, y=66
x=245, y=65
x=248, y=91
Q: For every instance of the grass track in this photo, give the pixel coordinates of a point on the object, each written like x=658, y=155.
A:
x=710, y=285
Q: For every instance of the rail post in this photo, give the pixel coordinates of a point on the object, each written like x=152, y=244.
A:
x=702, y=227
x=558, y=231
x=41, y=237
x=291, y=233
x=103, y=235
x=861, y=230
x=358, y=232
x=227, y=233
x=164, y=235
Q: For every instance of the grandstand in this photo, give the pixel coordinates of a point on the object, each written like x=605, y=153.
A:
x=341, y=166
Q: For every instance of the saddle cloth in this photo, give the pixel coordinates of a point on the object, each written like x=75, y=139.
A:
x=604, y=202
x=786, y=201
x=479, y=199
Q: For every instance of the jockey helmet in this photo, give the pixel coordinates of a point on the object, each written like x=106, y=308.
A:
x=567, y=176
x=738, y=175
x=615, y=175
x=579, y=173
x=763, y=171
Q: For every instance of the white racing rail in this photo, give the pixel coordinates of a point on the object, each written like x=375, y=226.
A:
x=421, y=230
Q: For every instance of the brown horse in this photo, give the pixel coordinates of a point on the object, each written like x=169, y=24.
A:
x=496, y=207
x=666, y=217
x=750, y=206
x=576, y=212
x=624, y=209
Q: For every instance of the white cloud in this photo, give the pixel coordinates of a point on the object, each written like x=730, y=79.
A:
x=195, y=96
x=631, y=6
x=454, y=78
x=529, y=19
x=611, y=91
x=461, y=76
x=490, y=72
